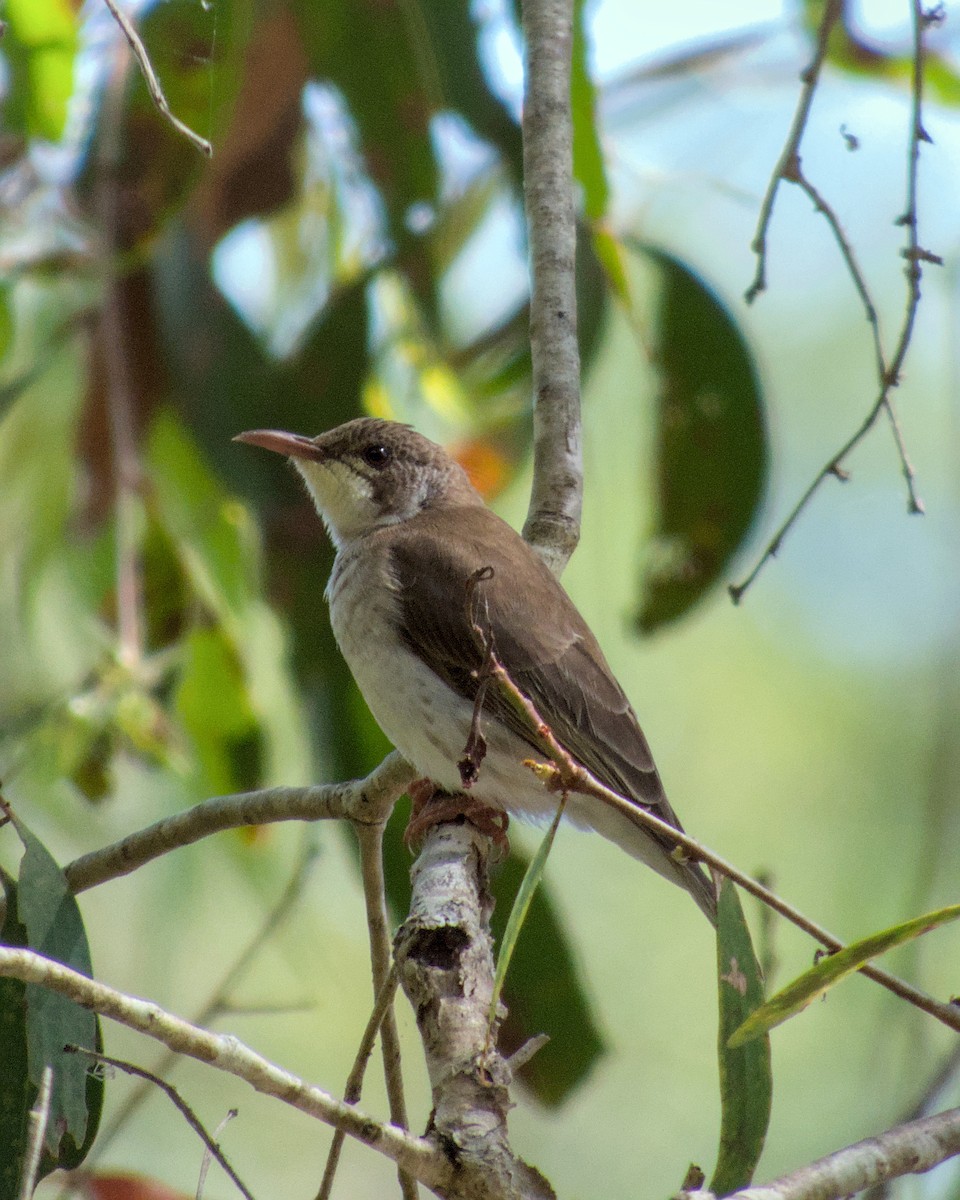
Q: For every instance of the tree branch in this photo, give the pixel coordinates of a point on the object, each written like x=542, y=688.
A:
x=354, y=1084
x=553, y=520
x=907, y=1150
x=444, y=955
x=364, y=801
x=418, y=1156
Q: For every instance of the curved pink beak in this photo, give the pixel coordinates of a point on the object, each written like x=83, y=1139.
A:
x=293, y=445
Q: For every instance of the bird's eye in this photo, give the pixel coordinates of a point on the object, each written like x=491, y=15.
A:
x=376, y=455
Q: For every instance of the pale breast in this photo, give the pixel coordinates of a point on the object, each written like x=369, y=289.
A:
x=427, y=721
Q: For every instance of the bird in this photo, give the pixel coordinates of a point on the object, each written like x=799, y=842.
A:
x=421, y=565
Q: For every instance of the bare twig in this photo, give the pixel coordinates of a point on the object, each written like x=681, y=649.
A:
x=888, y=373
x=571, y=776
x=789, y=156
x=906, y=1150
x=370, y=838
x=352, y=1088
x=365, y=801
x=38, y=1118
x=419, y=1156
x=216, y=1005
x=176, y=1100
x=553, y=521
x=151, y=80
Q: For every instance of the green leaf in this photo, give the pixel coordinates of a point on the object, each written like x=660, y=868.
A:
x=521, y=907
x=830, y=970
x=589, y=168
x=711, y=445
x=216, y=542
x=214, y=706
x=40, y=45
x=746, y=1083
x=544, y=993
x=6, y=326
x=54, y=928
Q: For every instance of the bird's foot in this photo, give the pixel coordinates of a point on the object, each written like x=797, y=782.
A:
x=432, y=806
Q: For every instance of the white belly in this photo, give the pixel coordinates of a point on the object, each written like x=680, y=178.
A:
x=427, y=721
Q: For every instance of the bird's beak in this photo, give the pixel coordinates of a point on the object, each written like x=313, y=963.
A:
x=293, y=445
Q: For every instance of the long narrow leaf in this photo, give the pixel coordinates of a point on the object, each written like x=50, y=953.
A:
x=521, y=906
x=830, y=970
x=746, y=1082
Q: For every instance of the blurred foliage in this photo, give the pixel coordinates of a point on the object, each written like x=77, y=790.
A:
x=848, y=50
x=711, y=454
x=355, y=244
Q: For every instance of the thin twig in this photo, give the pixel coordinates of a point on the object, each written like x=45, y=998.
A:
x=354, y=1085
x=915, y=255
x=553, y=521
x=363, y=801
x=370, y=838
x=810, y=77
x=151, y=80
x=216, y=1004
x=571, y=776
x=822, y=205
x=178, y=1102
x=420, y=1156
x=38, y=1118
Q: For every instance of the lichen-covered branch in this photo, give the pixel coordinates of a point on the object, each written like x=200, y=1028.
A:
x=444, y=955
x=418, y=1156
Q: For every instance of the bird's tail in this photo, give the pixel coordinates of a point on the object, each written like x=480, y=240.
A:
x=640, y=841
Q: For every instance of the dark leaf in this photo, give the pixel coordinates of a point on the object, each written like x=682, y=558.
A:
x=711, y=448
x=375, y=55
x=463, y=84
x=746, y=1083
x=252, y=171
x=544, y=993
x=16, y=1092
x=54, y=928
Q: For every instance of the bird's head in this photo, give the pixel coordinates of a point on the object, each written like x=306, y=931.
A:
x=369, y=473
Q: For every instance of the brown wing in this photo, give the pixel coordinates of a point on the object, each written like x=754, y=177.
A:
x=540, y=637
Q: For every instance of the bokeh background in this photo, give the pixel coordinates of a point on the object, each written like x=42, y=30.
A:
x=356, y=245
